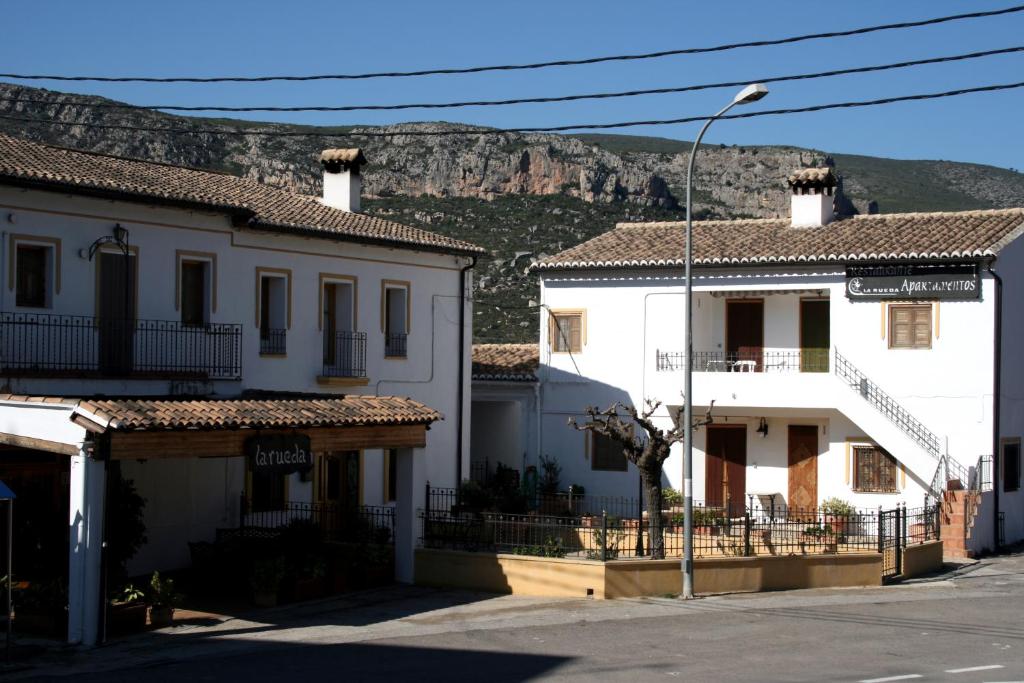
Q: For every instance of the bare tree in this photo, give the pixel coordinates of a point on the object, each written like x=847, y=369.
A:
x=648, y=451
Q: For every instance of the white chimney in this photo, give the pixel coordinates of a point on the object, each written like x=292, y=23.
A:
x=342, y=182
x=813, y=197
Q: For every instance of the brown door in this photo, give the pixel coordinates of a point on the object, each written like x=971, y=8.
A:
x=803, y=467
x=814, y=335
x=744, y=331
x=116, y=308
x=725, y=474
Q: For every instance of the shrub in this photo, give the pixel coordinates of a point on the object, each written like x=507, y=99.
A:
x=671, y=496
x=550, y=475
x=837, y=507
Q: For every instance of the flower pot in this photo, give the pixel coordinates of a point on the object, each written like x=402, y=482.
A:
x=160, y=617
x=126, y=618
x=264, y=598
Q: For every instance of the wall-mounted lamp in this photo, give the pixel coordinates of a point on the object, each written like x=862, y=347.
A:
x=762, y=428
x=120, y=238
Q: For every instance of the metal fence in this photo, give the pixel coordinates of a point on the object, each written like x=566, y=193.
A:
x=48, y=344
x=562, y=504
x=395, y=345
x=754, y=532
x=273, y=342
x=345, y=354
x=762, y=361
x=339, y=523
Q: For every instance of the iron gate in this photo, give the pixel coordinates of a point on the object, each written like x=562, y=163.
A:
x=890, y=542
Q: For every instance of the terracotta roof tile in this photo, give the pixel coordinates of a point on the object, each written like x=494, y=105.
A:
x=812, y=176
x=510, y=362
x=953, y=235
x=263, y=207
x=343, y=155
x=146, y=414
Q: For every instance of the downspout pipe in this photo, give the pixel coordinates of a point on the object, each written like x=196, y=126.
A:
x=462, y=368
x=997, y=369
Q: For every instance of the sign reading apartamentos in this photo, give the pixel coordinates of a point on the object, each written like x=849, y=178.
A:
x=279, y=453
x=880, y=281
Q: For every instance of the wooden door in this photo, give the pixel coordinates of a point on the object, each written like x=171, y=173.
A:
x=814, y=335
x=115, y=306
x=744, y=331
x=725, y=473
x=337, y=492
x=803, y=467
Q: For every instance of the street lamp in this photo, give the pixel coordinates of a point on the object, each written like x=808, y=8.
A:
x=751, y=93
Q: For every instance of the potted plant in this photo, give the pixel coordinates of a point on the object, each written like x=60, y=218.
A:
x=837, y=514
x=127, y=611
x=265, y=580
x=41, y=607
x=162, y=600
x=310, y=581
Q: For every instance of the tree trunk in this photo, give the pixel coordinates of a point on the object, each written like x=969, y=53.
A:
x=651, y=479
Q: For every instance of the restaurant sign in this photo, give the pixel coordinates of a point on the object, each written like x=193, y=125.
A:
x=942, y=282
x=279, y=453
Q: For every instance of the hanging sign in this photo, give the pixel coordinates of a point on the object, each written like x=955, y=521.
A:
x=279, y=453
x=938, y=282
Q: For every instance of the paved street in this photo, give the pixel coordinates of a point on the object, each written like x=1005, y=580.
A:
x=966, y=627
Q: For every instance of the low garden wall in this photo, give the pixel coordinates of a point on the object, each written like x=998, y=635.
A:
x=561, y=577
x=923, y=558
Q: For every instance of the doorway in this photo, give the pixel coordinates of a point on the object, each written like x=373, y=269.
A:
x=337, y=487
x=814, y=335
x=725, y=471
x=744, y=331
x=115, y=307
x=803, y=467
x=338, y=323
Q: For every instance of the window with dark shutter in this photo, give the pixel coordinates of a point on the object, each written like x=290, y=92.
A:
x=910, y=326
x=32, y=277
x=874, y=470
x=1011, y=466
x=606, y=454
x=567, y=332
x=193, y=293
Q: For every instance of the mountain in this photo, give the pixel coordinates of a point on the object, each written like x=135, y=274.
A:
x=521, y=196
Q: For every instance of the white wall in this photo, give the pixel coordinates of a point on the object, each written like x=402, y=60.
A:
x=1010, y=266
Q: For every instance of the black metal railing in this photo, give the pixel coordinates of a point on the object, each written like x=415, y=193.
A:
x=49, y=344
x=395, y=345
x=338, y=522
x=273, y=342
x=717, y=532
x=788, y=361
x=562, y=504
x=345, y=354
x=888, y=406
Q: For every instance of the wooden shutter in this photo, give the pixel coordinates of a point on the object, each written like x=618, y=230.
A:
x=606, y=454
x=910, y=326
x=567, y=332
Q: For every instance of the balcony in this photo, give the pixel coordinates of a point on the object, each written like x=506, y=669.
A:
x=45, y=345
x=273, y=342
x=759, y=361
x=395, y=345
x=344, y=357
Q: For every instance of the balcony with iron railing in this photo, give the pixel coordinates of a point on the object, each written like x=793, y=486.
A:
x=344, y=355
x=50, y=345
x=395, y=345
x=273, y=342
x=758, y=361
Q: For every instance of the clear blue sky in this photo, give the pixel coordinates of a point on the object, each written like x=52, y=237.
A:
x=187, y=37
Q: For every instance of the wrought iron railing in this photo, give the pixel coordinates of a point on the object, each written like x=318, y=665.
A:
x=273, y=342
x=888, y=406
x=976, y=478
x=345, y=354
x=49, y=344
x=395, y=345
x=337, y=521
x=785, y=361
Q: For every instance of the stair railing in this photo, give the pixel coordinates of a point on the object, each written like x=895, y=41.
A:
x=888, y=406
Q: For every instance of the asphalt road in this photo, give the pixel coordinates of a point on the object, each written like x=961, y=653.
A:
x=968, y=628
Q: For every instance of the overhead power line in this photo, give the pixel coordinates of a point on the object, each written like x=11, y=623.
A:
x=520, y=67
x=523, y=100
x=500, y=131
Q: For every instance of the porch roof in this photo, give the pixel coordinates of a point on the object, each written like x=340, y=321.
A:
x=129, y=414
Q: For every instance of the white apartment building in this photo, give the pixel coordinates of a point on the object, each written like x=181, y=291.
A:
x=869, y=358
x=174, y=326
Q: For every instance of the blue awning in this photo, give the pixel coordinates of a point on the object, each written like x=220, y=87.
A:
x=6, y=493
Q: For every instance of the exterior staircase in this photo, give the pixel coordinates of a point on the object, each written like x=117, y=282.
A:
x=959, y=512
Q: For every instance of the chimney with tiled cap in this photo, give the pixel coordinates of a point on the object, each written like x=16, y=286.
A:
x=342, y=182
x=813, y=197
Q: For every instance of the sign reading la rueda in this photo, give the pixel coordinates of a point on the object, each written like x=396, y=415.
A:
x=279, y=453
x=944, y=282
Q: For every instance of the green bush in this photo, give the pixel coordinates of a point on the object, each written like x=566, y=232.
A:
x=837, y=507
x=671, y=496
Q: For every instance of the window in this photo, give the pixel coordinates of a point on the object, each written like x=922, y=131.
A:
x=390, y=475
x=1011, y=465
x=193, y=293
x=343, y=348
x=874, y=470
x=33, y=275
x=266, y=491
x=273, y=309
x=395, y=317
x=606, y=454
x=910, y=326
x=566, y=331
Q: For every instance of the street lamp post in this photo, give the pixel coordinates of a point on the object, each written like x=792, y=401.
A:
x=751, y=93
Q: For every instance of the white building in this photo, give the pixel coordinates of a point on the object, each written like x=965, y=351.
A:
x=868, y=358
x=177, y=319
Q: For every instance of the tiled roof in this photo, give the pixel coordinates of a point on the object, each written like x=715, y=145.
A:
x=509, y=362
x=145, y=414
x=812, y=176
x=946, y=235
x=255, y=204
x=343, y=155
